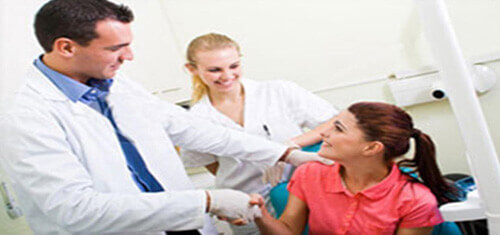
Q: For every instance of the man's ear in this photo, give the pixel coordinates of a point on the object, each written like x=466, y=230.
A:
x=64, y=46
x=374, y=148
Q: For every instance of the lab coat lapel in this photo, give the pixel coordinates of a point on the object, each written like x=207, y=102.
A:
x=43, y=86
x=219, y=118
x=48, y=90
x=253, y=119
x=138, y=123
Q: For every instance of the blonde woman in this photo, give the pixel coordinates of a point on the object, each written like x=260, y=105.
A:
x=277, y=110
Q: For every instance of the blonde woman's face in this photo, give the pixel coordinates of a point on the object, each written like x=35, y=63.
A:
x=219, y=69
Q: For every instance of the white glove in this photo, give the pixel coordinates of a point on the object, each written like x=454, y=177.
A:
x=232, y=204
x=292, y=144
x=297, y=157
x=274, y=174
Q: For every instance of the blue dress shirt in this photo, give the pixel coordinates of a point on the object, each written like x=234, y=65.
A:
x=93, y=94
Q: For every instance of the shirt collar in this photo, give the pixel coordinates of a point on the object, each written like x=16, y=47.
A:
x=374, y=192
x=75, y=90
x=335, y=185
x=99, y=89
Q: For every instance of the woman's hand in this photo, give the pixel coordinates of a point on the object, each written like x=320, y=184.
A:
x=258, y=201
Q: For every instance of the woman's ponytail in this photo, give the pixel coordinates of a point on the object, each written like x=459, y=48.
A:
x=393, y=127
x=424, y=162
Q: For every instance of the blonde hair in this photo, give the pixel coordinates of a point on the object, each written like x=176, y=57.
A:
x=206, y=42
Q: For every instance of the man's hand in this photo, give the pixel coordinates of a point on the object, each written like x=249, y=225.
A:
x=232, y=205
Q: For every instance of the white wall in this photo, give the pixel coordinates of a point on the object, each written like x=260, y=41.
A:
x=17, y=50
x=320, y=44
x=17, y=44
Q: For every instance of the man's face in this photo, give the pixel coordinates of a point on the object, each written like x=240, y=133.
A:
x=102, y=57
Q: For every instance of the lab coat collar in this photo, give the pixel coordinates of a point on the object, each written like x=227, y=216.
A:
x=43, y=86
x=73, y=89
x=40, y=84
x=248, y=86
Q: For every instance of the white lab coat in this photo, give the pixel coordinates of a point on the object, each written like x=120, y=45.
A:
x=70, y=174
x=282, y=106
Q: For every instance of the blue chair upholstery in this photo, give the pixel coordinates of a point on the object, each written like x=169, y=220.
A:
x=446, y=228
x=279, y=197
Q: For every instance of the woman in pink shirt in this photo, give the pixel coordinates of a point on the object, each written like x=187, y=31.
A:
x=364, y=192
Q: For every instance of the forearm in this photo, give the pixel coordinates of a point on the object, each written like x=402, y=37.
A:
x=136, y=213
x=307, y=138
x=269, y=225
x=89, y=211
x=201, y=136
x=311, y=137
x=415, y=231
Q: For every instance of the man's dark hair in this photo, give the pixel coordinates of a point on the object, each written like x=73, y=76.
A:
x=75, y=19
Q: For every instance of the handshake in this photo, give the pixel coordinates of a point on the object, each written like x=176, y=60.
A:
x=232, y=205
x=240, y=208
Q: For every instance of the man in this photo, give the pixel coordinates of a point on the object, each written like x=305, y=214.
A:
x=89, y=154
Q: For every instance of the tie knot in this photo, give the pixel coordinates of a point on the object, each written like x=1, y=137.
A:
x=101, y=84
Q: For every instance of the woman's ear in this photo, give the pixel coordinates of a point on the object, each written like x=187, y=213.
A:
x=64, y=46
x=191, y=68
x=374, y=148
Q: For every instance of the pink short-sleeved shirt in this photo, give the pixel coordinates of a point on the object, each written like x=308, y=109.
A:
x=394, y=202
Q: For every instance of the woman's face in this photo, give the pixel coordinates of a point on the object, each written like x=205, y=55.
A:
x=343, y=141
x=219, y=69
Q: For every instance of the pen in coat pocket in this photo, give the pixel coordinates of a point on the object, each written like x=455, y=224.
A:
x=266, y=129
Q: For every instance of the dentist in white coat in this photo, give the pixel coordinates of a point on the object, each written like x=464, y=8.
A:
x=89, y=152
x=277, y=110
